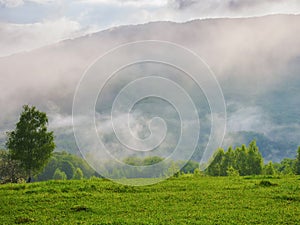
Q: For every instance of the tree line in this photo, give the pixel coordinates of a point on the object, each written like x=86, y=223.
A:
x=30, y=155
x=247, y=160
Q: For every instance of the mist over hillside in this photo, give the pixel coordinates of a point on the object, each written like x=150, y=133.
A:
x=256, y=61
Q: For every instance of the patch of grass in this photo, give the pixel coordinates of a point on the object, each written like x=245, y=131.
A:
x=183, y=200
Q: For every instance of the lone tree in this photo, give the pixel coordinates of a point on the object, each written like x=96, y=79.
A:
x=30, y=142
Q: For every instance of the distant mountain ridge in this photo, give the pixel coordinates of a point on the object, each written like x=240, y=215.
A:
x=256, y=61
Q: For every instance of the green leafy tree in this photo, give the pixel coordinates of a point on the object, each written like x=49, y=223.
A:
x=269, y=169
x=241, y=155
x=30, y=142
x=254, y=160
x=49, y=170
x=228, y=161
x=10, y=170
x=197, y=172
x=297, y=163
x=116, y=173
x=78, y=175
x=173, y=170
x=133, y=161
x=190, y=167
x=55, y=162
x=68, y=168
x=151, y=160
x=286, y=166
x=215, y=167
x=242, y=161
x=232, y=172
x=59, y=175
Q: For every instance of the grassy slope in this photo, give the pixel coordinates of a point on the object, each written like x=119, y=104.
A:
x=203, y=200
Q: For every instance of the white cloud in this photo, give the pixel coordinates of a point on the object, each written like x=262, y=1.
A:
x=92, y=15
x=142, y=11
x=250, y=118
x=189, y=9
x=11, y=3
x=17, y=3
x=24, y=37
x=135, y=3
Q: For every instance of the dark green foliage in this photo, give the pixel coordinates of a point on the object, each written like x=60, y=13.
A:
x=59, y=175
x=64, y=161
x=266, y=183
x=68, y=168
x=269, y=169
x=49, y=169
x=78, y=175
x=254, y=160
x=229, y=159
x=297, y=163
x=152, y=160
x=197, y=172
x=190, y=167
x=216, y=165
x=285, y=167
x=10, y=169
x=21, y=220
x=78, y=208
x=30, y=142
x=242, y=161
x=133, y=161
x=232, y=172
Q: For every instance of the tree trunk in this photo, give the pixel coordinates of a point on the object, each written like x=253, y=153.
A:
x=29, y=177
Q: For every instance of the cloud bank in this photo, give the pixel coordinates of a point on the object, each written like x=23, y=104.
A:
x=24, y=37
x=26, y=22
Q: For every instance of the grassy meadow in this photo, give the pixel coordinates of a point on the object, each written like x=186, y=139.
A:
x=183, y=200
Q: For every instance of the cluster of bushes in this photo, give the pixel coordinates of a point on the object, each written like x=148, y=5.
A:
x=241, y=161
x=61, y=166
x=247, y=160
x=65, y=166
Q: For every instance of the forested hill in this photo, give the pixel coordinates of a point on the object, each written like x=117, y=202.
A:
x=260, y=79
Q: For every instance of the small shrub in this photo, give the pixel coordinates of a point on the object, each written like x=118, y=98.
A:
x=266, y=183
x=232, y=172
x=59, y=175
x=197, y=172
x=21, y=220
x=78, y=175
x=78, y=208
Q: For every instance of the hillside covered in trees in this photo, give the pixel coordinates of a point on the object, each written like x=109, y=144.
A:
x=241, y=161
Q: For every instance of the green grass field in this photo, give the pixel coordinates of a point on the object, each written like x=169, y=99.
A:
x=184, y=200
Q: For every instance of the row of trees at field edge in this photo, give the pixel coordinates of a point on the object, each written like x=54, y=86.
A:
x=30, y=153
x=245, y=161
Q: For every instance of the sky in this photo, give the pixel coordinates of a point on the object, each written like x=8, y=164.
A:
x=30, y=24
